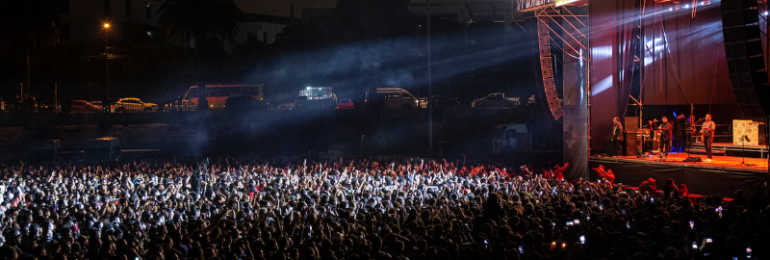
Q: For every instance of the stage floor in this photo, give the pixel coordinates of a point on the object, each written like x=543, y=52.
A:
x=723, y=176
x=728, y=163
x=732, y=149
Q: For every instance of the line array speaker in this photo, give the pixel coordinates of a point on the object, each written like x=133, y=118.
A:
x=743, y=49
x=546, y=67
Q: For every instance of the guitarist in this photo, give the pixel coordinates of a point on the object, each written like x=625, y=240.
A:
x=665, y=138
x=617, y=136
x=707, y=131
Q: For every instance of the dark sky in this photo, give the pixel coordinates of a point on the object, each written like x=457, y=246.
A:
x=283, y=7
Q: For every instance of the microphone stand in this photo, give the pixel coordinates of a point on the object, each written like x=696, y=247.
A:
x=690, y=143
x=743, y=152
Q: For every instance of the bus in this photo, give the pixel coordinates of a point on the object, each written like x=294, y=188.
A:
x=218, y=94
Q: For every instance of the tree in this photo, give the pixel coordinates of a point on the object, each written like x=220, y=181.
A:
x=29, y=25
x=187, y=20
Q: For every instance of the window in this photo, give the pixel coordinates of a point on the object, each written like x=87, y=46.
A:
x=148, y=11
x=128, y=8
x=107, y=7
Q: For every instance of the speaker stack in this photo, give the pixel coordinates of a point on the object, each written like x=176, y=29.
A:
x=743, y=49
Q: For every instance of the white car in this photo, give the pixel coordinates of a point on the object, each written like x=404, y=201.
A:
x=134, y=105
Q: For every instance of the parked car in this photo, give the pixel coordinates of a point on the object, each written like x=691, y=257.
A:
x=391, y=98
x=132, y=104
x=495, y=100
x=440, y=101
x=43, y=150
x=347, y=105
x=312, y=98
x=82, y=106
x=46, y=106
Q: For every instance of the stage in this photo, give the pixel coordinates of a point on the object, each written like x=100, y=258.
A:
x=731, y=149
x=723, y=176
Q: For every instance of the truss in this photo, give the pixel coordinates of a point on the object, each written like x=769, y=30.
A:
x=575, y=37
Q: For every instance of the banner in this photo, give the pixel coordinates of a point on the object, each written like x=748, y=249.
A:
x=745, y=130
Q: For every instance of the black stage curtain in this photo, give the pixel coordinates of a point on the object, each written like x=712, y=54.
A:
x=684, y=58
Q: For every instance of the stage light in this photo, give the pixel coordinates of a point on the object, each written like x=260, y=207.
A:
x=670, y=9
x=686, y=6
x=765, y=13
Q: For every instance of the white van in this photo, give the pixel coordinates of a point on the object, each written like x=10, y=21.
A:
x=43, y=150
x=392, y=98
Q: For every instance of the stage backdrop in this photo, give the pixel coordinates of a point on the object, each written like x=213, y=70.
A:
x=684, y=60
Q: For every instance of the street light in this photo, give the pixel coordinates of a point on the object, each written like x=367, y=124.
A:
x=107, y=63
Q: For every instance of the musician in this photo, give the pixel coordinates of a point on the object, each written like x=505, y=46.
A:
x=707, y=130
x=652, y=125
x=679, y=133
x=665, y=137
x=617, y=136
x=649, y=142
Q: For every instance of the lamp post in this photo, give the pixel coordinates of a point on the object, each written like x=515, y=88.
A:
x=430, y=82
x=107, y=66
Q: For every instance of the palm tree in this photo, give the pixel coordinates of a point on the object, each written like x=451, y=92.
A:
x=29, y=25
x=187, y=20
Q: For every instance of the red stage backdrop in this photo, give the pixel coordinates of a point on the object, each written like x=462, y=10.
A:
x=684, y=60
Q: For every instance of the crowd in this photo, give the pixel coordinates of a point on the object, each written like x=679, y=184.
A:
x=248, y=208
